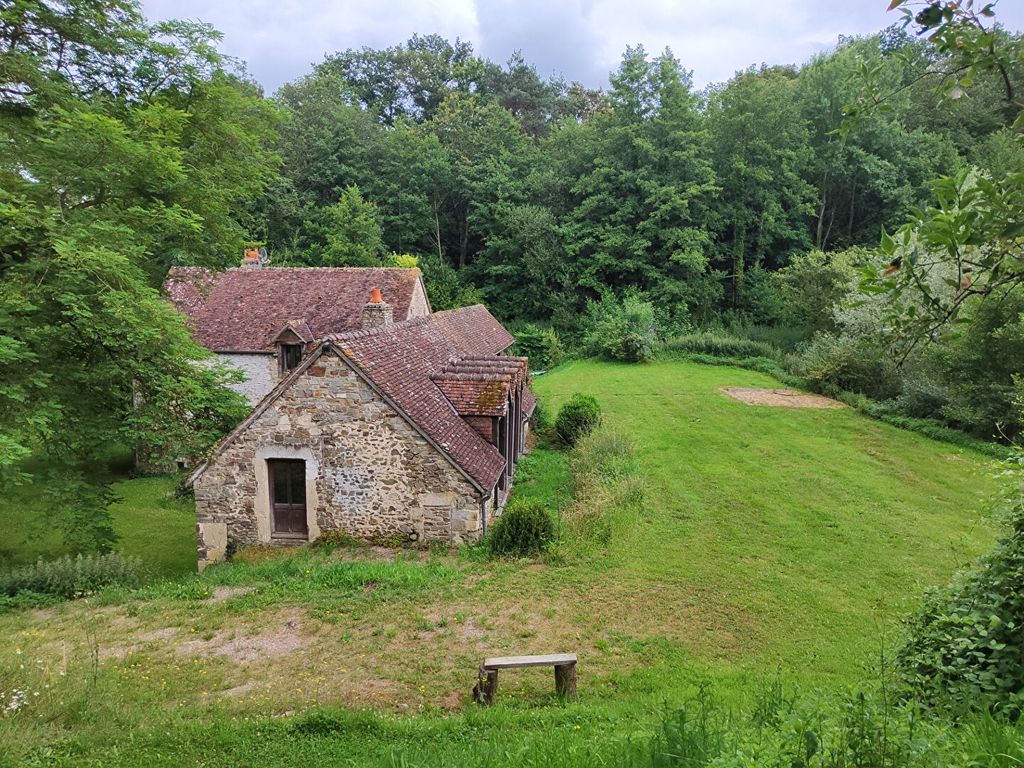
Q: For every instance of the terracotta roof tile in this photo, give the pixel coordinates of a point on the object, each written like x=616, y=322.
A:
x=402, y=359
x=242, y=310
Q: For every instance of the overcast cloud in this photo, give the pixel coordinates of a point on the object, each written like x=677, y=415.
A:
x=580, y=39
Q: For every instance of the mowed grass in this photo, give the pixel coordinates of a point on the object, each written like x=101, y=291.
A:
x=769, y=542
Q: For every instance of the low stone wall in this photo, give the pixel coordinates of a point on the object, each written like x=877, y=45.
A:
x=368, y=471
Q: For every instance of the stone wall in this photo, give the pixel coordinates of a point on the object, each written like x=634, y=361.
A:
x=261, y=373
x=368, y=472
x=418, y=306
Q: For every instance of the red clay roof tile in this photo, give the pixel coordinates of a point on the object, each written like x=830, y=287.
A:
x=402, y=359
x=242, y=310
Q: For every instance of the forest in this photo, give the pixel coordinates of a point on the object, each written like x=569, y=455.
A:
x=831, y=222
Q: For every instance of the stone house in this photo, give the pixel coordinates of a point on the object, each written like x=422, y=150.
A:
x=407, y=427
x=261, y=320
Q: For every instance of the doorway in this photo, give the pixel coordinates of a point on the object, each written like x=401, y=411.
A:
x=288, y=498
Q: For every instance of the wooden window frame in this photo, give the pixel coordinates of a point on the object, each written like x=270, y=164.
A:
x=282, y=356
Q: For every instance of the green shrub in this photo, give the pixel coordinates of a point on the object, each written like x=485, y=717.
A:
x=622, y=330
x=577, y=418
x=524, y=529
x=541, y=345
x=832, y=364
x=965, y=646
x=71, y=577
x=541, y=421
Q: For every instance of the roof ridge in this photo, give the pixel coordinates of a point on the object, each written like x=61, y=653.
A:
x=264, y=270
x=464, y=376
x=362, y=333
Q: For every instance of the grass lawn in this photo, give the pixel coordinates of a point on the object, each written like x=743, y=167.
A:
x=148, y=519
x=771, y=541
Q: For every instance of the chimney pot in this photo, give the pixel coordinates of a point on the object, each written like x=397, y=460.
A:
x=377, y=312
x=251, y=258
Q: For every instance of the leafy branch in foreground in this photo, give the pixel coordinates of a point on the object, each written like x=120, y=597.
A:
x=127, y=147
x=970, y=243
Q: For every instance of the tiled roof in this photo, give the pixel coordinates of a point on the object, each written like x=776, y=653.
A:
x=300, y=328
x=475, y=396
x=242, y=309
x=529, y=403
x=403, y=358
x=479, y=386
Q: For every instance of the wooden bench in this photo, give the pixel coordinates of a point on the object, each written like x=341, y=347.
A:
x=487, y=678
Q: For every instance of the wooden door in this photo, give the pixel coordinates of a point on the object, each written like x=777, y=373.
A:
x=288, y=496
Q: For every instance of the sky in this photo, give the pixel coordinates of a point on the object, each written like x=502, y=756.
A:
x=581, y=40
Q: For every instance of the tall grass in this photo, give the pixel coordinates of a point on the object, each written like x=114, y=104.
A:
x=858, y=729
x=606, y=485
x=71, y=577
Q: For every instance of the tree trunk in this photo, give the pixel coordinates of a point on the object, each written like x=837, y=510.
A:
x=463, y=240
x=738, y=255
x=853, y=198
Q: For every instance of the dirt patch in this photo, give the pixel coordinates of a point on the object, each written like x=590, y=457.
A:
x=453, y=700
x=282, y=640
x=779, y=398
x=238, y=691
x=158, y=634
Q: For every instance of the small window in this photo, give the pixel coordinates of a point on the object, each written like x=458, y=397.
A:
x=291, y=355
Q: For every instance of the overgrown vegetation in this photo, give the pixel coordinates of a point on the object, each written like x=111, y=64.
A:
x=71, y=577
x=791, y=729
x=964, y=649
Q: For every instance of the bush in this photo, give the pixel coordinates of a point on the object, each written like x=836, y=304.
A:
x=523, y=530
x=964, y=647
x=833, y=364
x=73, y=577
x=626, y=330
x=541, y=345
x=577, y=418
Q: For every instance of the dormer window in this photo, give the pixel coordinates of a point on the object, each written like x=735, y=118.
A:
x=290, y=355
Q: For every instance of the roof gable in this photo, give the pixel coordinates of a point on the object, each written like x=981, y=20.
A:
x=242, y=310
x=399, y=362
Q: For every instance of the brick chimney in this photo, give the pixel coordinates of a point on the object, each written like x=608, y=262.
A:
x=377, y=312
x=254, y=258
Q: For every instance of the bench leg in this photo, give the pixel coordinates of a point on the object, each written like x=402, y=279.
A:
x=565, y=681
x=486, y=686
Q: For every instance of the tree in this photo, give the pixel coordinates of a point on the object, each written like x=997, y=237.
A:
x=971, y=236
x=128, y=147
x=353, y=239
x=484, y=144
x=410, y=80
x=643, y=201
x=762, y=153
x=867, y=178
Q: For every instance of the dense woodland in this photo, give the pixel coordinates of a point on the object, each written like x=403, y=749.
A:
x=741, y=221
